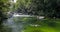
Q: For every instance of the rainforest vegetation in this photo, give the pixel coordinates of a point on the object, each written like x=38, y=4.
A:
x=48, y=9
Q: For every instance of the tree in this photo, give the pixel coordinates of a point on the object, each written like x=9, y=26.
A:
x=4, y=5
x=52, y=8
x=31, y=7
x=47, y=8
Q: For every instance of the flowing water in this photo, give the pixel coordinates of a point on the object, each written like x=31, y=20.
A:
x=16, y=27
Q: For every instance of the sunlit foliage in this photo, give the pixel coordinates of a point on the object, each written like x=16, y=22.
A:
x=24, y=3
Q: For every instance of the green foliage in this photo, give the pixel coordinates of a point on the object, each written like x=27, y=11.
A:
x=21, y=3
x=4, y=6
x=46, y=8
